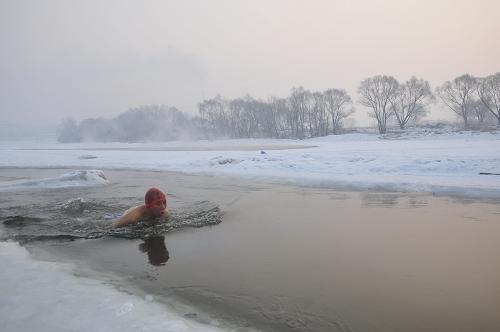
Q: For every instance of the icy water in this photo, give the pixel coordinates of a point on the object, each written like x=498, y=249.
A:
x=292, y=259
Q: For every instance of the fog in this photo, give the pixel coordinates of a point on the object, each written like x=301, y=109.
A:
x=91, y=58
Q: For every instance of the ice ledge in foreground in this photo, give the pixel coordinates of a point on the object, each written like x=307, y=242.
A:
x=46, y=296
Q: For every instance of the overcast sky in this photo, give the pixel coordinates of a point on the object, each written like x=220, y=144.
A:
x=94, y=58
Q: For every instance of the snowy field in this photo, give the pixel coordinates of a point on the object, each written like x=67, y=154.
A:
x=448, y=163
x=42, y=295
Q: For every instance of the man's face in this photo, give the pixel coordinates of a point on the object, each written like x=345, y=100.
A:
x=158, y=209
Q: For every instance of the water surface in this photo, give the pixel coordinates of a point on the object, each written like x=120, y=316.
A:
x=300, y=259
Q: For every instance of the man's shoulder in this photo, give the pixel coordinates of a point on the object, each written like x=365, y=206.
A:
x=137, y=211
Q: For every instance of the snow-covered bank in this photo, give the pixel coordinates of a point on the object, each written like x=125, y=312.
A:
x=444, y=163
x=83, y=178
x=46, y=296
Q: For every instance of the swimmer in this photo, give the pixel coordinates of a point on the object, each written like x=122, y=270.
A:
x=154, y=207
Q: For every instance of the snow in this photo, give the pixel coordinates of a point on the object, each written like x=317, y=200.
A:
x=46, y=296
x=82, y=178
x=417, y=161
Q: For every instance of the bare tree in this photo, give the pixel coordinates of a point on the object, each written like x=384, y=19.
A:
x=489, y=94
x=266, y=119
x=376, y=92
x=479, y=111
x=458, y=95
x=337, y=103
x=215, y=113
x=280, y=111
x=238, y=119
x=299, y=106
x=410, y=101
x=318, y=118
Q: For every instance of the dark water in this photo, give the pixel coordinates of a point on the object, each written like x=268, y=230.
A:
x=298, y=259
x=64, y=216
x=83, y=219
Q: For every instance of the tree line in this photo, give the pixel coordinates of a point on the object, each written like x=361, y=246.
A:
x=472, y=98
x=302, y=114
x=476, y=101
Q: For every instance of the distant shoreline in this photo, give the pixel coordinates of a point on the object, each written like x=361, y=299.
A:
x=256, y=147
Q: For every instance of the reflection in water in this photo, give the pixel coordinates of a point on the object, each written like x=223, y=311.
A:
x=380, y=199
x=155, y=247
x=390, y=200
x=415, y=202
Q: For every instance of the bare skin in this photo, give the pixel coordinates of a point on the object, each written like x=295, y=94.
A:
x=141, y=212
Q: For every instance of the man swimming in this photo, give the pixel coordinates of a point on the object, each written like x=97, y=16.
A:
x=154, y=207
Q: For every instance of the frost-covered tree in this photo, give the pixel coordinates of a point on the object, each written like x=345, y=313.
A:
x=338, y=105
x=280, y=113
x=376, y=93
x=215, y=112
x=458, y=95
x=318, y=115
x=144, y=123
x=67, y=131
x=100, y=130
x=489, y=94
x=478, y=111
x=410, y=101
x=299, y=101
x=150, y=123
x=249, y=117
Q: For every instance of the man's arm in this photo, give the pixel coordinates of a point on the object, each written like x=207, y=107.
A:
x=130, y=217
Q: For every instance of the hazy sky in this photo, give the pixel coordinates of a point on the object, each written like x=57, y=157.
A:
x=98, y=58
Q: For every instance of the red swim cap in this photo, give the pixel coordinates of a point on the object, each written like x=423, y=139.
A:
x=153, y=196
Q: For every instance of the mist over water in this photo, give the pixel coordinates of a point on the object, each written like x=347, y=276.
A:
x=28, y=132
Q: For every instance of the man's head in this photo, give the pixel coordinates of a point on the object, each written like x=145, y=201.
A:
x=156, y=201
